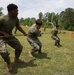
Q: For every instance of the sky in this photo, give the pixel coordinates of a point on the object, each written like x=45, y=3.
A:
x=31, y=8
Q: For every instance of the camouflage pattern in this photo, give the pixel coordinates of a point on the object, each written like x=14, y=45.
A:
x=55, y=37
x=14, y=43
x=54, y=32
x=2, y=46
x=32, y=37
x=6, y=25
x=3, y=51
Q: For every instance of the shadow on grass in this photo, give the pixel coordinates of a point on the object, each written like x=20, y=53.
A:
x=41, y=56
x=21, y=65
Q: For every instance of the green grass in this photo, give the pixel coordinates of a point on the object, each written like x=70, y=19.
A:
x=54, y=61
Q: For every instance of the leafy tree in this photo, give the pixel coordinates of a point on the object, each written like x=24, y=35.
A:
x=22, y=21
x=40, y=15
x=32, y=21
x=67, y=19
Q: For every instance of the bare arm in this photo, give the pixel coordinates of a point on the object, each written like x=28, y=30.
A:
x=21, y=30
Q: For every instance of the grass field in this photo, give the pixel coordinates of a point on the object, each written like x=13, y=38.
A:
x=53, y=61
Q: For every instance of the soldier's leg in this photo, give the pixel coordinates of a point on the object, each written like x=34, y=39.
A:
x=40, y=46
x=35, y=46
x=31, y=42
x=56, y=41
x=5, y=54
x=55, y=44
x=6, y=58
x=14, y=43
x=39, y=51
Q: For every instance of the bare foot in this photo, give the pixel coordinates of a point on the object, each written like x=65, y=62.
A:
x=55, y=46
x=30, y=54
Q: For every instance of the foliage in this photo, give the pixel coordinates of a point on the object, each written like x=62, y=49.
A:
x=40, y=15
x=65, y=19
x=27, y=21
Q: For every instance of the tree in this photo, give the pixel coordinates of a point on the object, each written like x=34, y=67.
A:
x=40, y=15
x=67, y=19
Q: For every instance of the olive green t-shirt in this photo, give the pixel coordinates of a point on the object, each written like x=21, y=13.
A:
x=7, y=24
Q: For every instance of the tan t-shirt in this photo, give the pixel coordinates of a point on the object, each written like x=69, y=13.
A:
x=33, y=32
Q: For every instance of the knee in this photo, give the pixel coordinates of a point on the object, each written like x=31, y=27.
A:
x=20, y=47
x=57, y=39
x=6, y=57
x=38, y=47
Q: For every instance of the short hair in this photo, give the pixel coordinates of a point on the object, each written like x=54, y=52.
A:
x=38, y=22
x=11, y=7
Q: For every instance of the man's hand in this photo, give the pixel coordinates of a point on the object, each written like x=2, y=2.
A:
x=6, y=35
x=21, y=30
x=25, y=34
x=41, y=33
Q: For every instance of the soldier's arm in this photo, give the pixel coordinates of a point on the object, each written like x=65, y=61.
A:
x=20, y=28
x=39, y=33
x=59, y=31
x=4, y=34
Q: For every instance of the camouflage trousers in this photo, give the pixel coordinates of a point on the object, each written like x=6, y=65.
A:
x=2, y=46
x=14, y=43
x=3, y=51
x=57, y=40
x=36, y=44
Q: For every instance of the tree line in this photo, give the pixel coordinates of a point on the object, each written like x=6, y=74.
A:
x=65, y=19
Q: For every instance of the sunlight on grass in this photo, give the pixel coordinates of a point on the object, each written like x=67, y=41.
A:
x=53, y=61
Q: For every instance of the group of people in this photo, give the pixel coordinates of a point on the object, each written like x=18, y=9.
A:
x=7, y=23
